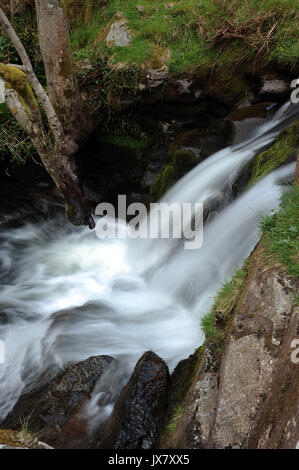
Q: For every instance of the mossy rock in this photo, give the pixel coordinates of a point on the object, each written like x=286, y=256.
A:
x=159, y=59
x=284, y=150
x=182, y=162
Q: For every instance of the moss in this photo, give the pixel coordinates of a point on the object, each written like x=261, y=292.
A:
x=182, y=161
x=70, y=210
x=284, y=148
x=17, y=80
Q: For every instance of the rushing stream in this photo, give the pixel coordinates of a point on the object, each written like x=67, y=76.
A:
x=67, y=295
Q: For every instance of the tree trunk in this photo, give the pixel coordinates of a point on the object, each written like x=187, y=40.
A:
x=57, y=56
x=68, y=120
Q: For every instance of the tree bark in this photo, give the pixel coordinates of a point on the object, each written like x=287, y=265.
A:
x=59, y=67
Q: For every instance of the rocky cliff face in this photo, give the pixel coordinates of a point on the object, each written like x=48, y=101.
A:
x=247, y=397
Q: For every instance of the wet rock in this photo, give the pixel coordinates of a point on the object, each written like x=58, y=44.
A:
x=206, y=141
x=275, y=89
x=135, y=421
x=259, y=110
x=247, y=120
x=55, y=409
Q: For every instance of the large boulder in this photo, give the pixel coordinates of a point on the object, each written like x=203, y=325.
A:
x=55, y=410
x=135, y=421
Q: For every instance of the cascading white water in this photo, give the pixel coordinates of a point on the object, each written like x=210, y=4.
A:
x=68, y=295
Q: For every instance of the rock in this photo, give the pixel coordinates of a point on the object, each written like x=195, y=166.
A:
x=155, y=78
x=119, y=33
x=250, y=399
x=55, y=409
x=156, y=67
x=83, y=65
x=135, y=421
x=253, y=111
x=247, y=120
x=244, y=104
x=183, y=160
x=205, y=141
x=275, y=89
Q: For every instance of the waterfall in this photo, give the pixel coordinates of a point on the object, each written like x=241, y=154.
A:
x=66, y=295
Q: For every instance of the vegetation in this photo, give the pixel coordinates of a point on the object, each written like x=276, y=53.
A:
x=280, y=241
x=126, y=134
x=177, y=413
x=214, y=323
x=198, y=32
x=182, y=161
x=281, y=233
x=14, y=143
x=284, y=147
x=27, y=435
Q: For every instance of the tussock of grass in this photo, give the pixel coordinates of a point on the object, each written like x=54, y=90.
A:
x=177, y=413
x=281, y=233
x=224, y=305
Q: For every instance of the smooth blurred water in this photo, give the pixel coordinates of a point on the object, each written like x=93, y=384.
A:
x=66, y=295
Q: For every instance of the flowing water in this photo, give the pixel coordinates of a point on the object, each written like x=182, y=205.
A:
x=67, y=295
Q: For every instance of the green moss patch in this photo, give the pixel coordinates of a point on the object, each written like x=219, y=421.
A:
x=285, y=147
x=182, y=162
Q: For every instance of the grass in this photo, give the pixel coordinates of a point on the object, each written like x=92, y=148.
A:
x=27, y=435
x=224, y=305
x=126, y=142
x=281, y=233
x=14, y=143
x=177, y=413
x=280, y=240
x=125, y=134
x=188, y=30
